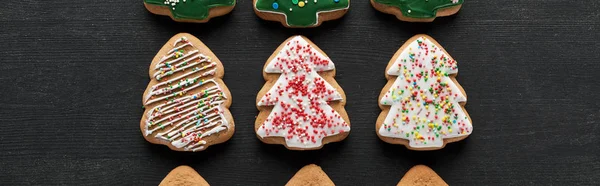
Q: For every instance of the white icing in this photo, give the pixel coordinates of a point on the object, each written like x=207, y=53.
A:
x=298, y=127
x=420, y=110
x=184, y=119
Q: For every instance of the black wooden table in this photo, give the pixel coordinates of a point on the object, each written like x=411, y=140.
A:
x=73, y=74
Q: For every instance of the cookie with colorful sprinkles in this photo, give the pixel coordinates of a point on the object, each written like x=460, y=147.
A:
x=418, y=10
x=301, y=105
x=300, y=13
x=186, y=102
x=422, y=103
x=195, y=11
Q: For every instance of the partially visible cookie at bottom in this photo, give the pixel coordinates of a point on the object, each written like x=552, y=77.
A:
x=183, y=176
x=310, y=175
x=421, y=175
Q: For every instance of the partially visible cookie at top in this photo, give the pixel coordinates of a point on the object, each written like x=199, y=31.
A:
x=422, y=104
x=418, y=10
x=421, y=175
x=186, y=102
x=301, y=105
x=196, y=11
x=300, y=13
x=310, y=175
x=183, y=176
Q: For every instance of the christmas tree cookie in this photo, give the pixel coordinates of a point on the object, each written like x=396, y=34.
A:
x=422, y=103
x=186, y=102
x=301, y=13
x=183, y=175
x=418, y=10
x=310, y=175
x=301, y=105
x=197, y=11
x=421, y=175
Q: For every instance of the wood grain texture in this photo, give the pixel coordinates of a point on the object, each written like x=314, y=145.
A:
x=73, y=73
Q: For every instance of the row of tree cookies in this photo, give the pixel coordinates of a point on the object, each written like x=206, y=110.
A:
x=308, y=175
x=301, y=13
x=301, y=105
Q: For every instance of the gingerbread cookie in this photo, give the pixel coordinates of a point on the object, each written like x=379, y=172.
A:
x=310, y=175
x=422, y=104
x=186, y=102
x=418, y=10
x=301, y=13
x=301, y=105
x=183, y=176
x=197, y=11
x=421, y=175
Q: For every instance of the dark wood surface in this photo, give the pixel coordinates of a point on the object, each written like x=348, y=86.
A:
x=73, y=74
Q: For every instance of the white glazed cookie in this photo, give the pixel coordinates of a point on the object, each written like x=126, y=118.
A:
x=422, y=103
x=301, y=105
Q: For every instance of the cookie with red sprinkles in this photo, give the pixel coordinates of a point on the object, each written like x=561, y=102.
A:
x=301, y=105
x=186, y=102
x=422, y=103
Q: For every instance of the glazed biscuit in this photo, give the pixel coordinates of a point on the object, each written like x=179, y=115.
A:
x=186, y=102
x=422, y=103
x=418, y=10
x=300, y=13
x=195, y=11
x=301, y=105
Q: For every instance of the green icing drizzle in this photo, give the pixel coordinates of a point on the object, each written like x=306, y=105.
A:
x=191, y=9
x=420, y=8
x=300, y=16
